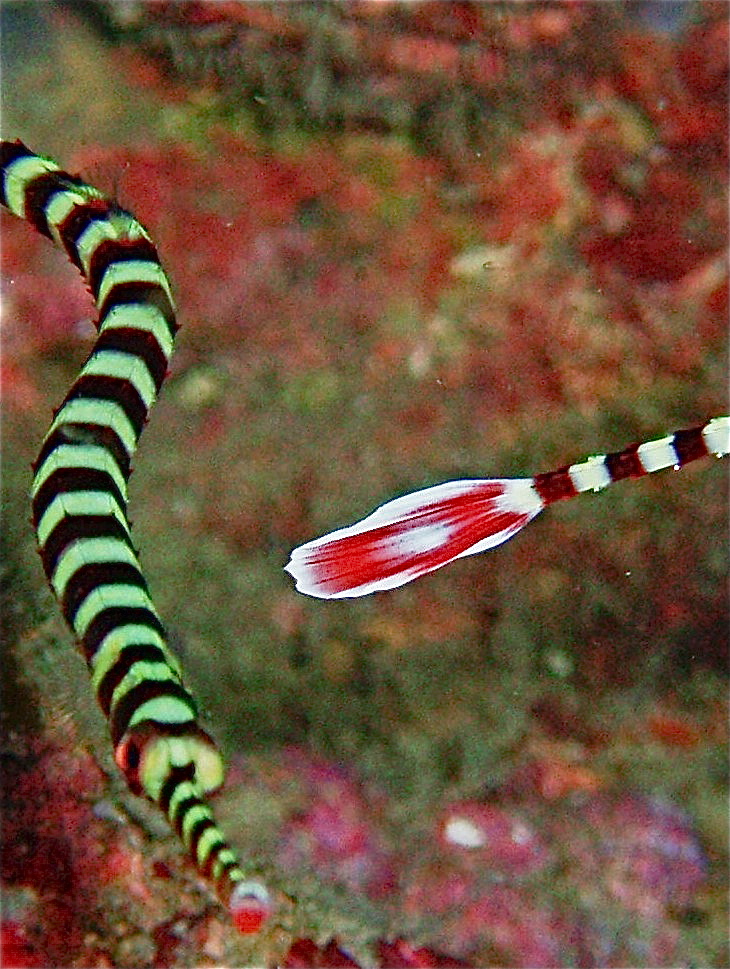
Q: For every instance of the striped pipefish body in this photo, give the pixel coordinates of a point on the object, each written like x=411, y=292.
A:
x=79, y=501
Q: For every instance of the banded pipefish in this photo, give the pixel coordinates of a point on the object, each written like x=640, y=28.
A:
x=79, y=510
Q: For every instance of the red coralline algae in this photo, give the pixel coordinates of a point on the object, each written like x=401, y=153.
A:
x=16, y=950
x=669, y=222
x=703, y=59
x=522, y=932
x=476, y=913
x=468, y=884
x=529, y=193
x=660, y=241
x=400, y=954
x=335, y=831
x=306, y=954
x=395, y=954
x=97, y=883
x=552, y=776
x=529, y=877
x=674, y=731
x=51, y=843
x=484, y=880
x=643, y=850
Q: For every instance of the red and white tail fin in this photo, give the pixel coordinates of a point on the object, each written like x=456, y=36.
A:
x=418, y=533
x=413, y=535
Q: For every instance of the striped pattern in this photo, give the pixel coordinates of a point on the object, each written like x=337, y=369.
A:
x=420, y=532
x=79, y=499
x=673, y=451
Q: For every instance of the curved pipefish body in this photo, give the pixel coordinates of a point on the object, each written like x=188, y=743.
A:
x=79, y=498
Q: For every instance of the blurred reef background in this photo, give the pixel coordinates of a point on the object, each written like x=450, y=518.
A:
x=409, y=242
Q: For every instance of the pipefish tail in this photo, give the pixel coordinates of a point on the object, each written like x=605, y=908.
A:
x=420, y=532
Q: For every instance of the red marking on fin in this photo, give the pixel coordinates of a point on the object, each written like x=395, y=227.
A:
x=413, y=535
x=249, y=906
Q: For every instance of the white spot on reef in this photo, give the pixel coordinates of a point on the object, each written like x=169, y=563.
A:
x=521, y=834
x=466, y=834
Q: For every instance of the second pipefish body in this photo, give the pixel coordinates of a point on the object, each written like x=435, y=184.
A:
x=79, y=500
